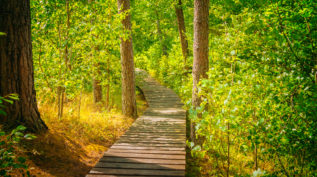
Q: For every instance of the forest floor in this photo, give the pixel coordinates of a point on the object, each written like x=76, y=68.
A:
x=73, y=145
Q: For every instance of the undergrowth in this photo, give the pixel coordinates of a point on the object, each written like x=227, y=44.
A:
x=73, y=144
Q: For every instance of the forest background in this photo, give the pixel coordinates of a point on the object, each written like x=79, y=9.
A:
x=258, y=111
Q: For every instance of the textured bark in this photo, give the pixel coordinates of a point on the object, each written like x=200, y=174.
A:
x=97, y=89
x=127, y=64
x=200, y=66
x=182, y=30
x=16, y=65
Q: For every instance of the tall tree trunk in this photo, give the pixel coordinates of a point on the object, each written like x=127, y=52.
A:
x=16, y=65
x=200, y=66
x=159, y=32
x=127, y=64
x=60, y=88
x=97, y=88
x=108, y=85
x=68, y=65
x=182, y=30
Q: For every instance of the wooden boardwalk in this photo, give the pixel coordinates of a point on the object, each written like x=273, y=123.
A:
x=155, y=143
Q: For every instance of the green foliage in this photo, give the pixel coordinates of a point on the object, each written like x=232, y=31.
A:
x=69, y=55
x=9, y=161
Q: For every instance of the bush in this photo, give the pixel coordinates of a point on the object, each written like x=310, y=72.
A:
x=9, y=161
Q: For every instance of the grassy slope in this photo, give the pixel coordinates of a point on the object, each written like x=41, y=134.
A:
x=73, y=145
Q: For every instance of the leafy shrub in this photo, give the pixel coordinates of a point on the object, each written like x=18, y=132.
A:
x=9, y=160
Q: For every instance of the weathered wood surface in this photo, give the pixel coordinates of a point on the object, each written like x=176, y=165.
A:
x=155, y=143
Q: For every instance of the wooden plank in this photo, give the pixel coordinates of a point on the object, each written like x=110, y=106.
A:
x=143, y=160
x=145, y=139
x=181, y=132
x=157, y=129
x=154, y=136
x=139, y=166
x=152, y=140
x=146, y=156
x=137, y=172
x=99, y=175
x=148, y=148
x=150, y=144
x=140, y=151
x=162, y=134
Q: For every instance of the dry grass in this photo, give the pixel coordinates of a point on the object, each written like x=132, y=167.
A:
x=73, y=144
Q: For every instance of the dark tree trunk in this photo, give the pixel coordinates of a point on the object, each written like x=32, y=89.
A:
x=182, y=30
x=127, y=64
x=16, y=65
x=200, y=66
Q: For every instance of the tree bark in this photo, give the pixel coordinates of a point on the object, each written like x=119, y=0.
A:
x=182, y=30
x=200, y=66
x=16, y=65
x=97, y=88
x=127, y=63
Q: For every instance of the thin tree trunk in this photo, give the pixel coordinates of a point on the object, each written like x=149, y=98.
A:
x=127, y=64
x=159, y=33
x=79, y=102
x=59, y=87
x=59, y=96
x=108, y=85
x=16, y=65
x=62, y=101
x=97, y=88
x=200, y=65
x=228, y=148
x=182, y=31
x=68, y=65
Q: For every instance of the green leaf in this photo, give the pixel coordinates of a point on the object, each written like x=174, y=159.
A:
x=29, y=136
x=20, y=128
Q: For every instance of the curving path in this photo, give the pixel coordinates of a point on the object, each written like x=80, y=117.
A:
x=155, y=143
